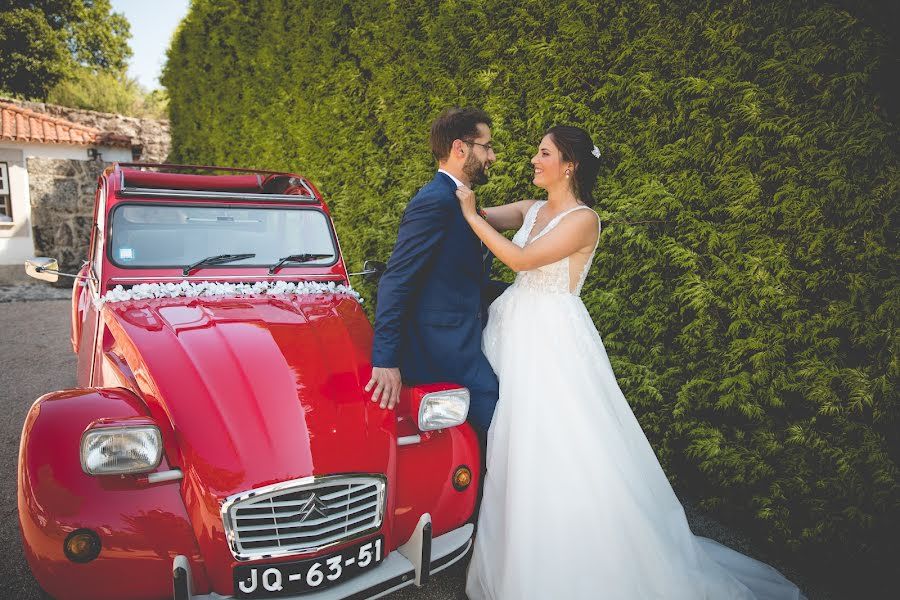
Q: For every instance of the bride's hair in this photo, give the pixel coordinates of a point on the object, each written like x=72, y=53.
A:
x=575, y=145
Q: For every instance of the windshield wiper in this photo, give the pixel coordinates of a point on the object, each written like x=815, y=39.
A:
x=215, y=260
x=297, y=258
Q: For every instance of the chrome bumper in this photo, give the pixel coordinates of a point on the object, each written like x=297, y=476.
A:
x=395, y=572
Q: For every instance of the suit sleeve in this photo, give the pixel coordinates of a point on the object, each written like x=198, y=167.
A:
x=421, y=231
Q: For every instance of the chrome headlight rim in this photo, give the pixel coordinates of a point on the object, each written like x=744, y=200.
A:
x=120, y=429
x=423, y=405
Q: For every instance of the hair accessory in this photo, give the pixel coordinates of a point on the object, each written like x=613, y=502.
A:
x=596, y=152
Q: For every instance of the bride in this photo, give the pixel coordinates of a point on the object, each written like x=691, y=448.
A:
x=575, y=502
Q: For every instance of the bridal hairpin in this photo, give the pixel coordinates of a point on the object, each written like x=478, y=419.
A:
x=596, y=152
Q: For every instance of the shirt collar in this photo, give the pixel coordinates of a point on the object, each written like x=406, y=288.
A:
x=455, y=180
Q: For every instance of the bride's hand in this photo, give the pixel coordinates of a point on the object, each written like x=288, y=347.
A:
x=466, y=200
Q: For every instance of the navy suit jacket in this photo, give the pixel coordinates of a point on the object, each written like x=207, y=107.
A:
x=430, y=310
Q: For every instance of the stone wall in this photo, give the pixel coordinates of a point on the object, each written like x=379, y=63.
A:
x=62, y=191
x=62, y=207
x=152, y=134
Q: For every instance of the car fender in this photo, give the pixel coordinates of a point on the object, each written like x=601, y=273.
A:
x=141, y=526
x=424, y=480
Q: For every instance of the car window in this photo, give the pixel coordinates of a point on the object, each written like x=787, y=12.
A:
x=176, y=235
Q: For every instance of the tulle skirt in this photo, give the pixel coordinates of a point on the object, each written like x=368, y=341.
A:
x=575, y=502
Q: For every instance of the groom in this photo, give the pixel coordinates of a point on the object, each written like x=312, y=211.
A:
x=430, y=311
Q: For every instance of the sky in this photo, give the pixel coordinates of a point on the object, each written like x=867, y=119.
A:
x=152, y=25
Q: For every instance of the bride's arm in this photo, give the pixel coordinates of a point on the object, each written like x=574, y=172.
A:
x=576, y=231
x=508, y=216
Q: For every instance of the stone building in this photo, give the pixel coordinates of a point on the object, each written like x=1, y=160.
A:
x=50, y=157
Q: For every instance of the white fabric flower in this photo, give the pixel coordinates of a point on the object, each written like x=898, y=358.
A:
x=189, y=289
x=596, y=152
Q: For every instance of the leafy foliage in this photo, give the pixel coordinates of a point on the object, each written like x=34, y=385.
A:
x=746, y=284
x=41, y=43
x=109, y=91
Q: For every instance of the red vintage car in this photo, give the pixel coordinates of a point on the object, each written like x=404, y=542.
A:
x=220, y=443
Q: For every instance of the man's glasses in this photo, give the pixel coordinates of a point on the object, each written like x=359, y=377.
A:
x=487, y=147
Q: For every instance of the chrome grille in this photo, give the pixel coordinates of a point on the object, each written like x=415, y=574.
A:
x=304, y=515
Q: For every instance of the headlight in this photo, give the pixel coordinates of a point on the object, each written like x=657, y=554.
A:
x=120, y=450
x=443, y=409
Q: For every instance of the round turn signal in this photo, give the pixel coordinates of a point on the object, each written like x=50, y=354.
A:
x=82, y=545
x=462, y=478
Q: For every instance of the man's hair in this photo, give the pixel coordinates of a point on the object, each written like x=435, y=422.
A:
x=455, y=124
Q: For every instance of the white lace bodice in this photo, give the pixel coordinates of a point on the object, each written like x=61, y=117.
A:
x=555, y=277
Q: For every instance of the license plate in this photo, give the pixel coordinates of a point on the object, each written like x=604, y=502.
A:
x=278, y=579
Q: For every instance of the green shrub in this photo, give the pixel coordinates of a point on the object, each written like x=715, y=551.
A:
x=108, y=91
x=746, y=283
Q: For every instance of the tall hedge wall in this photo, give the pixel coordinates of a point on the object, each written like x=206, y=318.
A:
x=746, y=284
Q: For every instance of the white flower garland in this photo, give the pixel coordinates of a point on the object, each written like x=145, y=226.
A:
x=208, y=289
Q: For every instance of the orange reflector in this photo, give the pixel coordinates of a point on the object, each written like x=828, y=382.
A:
x=82, y=546
x=462, y=478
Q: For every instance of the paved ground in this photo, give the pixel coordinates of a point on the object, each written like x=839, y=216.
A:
x=36, y=358
x=36, y=291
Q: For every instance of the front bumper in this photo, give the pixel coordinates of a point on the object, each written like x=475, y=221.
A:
x=395, y=572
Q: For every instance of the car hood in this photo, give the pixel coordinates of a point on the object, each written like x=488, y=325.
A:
x=257, y=390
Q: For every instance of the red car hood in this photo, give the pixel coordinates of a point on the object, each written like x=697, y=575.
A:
x=257, y=390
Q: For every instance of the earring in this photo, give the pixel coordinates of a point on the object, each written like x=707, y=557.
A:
x=567, y=173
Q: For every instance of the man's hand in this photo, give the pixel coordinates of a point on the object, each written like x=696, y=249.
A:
x=386, y=383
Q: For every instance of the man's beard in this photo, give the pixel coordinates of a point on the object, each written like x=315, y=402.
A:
x=475, y=170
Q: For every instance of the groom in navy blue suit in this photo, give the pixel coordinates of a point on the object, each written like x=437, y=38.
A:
x=431, y=305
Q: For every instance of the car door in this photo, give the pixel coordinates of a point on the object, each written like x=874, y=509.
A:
x=85, y=308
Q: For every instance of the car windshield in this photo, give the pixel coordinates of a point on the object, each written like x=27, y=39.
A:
x=177, y=235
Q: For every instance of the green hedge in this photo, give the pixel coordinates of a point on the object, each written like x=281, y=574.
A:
x=746, y=284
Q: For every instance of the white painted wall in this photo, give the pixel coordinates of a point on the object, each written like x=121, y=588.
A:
x=16, y=242
x=69, y=151
x=15, y=237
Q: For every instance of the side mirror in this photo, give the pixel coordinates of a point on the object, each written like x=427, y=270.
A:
x=43, y=268
x=372, y=270
x=47, y=269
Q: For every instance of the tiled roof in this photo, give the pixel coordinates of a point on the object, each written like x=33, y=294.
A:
x=23, y=125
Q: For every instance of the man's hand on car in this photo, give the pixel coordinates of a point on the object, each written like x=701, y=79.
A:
x=386, y=383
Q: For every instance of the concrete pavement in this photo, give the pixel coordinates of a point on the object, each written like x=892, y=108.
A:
x=35, y=358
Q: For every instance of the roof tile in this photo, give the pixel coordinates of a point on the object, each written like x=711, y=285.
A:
x=23, y=125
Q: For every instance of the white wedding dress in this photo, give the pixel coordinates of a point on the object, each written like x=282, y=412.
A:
x=575, y=503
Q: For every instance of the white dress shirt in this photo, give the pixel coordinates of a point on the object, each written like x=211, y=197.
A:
x=455, y=180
